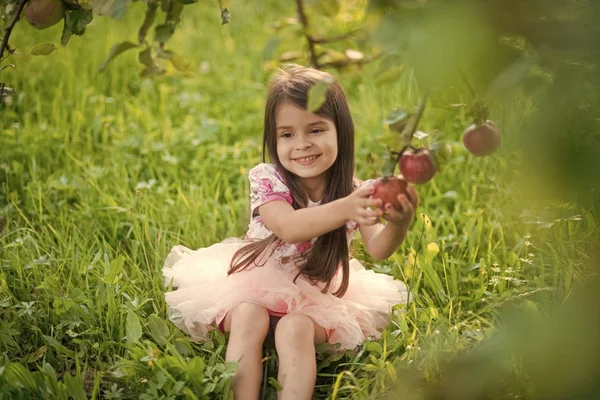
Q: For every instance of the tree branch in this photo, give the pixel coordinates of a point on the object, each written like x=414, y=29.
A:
x=321, y=40
x=10, y=27
x=314, y=59
x=315, y=40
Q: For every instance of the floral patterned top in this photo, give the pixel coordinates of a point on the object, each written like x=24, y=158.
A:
x=268, y=184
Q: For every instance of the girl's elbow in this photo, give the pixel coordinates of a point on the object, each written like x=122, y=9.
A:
x=286, y=235
x=378, y=255
x=291, y=239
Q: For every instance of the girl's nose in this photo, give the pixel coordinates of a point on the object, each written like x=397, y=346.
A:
x=303, y=144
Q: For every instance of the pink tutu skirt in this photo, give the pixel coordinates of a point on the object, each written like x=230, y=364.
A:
x=205, y=293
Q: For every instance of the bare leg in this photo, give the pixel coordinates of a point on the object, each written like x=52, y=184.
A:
x=248, y=324
x=295, y=338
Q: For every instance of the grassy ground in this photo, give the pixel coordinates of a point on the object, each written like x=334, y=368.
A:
x=102, y=173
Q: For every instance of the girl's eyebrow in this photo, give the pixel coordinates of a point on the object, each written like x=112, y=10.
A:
x=319, y=122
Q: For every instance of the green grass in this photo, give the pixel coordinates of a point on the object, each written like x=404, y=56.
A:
x=102, y=173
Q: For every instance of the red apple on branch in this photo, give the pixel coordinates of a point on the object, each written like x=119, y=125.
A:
x=482, y=139
x=43, y=14
x=417, y=165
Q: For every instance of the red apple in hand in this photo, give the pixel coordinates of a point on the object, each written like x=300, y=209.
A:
x=389, y=188
x=417, y=166
x=482, y=140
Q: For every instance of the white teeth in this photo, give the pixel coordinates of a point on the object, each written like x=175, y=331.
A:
x=306, y=159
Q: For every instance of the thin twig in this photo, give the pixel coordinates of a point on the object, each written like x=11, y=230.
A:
x=321, y=40
x=10, y=27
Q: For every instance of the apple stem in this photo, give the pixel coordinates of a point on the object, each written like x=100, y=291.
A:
x=419, y=115
x=398, y=154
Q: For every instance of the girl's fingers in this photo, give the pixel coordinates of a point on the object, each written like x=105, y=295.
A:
x=370, y=202
x=368, y=213
x=366, y=191
x=414, y=196
x=393, y=214
x=407, y=205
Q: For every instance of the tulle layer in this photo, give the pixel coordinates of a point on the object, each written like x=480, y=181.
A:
x=205, y=293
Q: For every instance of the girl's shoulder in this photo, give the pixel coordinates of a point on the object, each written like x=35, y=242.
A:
x=265, y=170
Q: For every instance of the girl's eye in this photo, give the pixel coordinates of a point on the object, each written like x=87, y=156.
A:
x=286, y=135
x=316, y=130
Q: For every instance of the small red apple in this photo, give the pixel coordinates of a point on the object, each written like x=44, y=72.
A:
x=417, y=166
x=482, y=140
x=388, y=188
x=43, y=14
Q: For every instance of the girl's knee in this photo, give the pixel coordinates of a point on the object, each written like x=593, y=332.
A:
x=294, y=330
x=248, y=319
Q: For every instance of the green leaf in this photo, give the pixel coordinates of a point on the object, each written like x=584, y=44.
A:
x=43, y=49
x=133, y=327
x=181, y=63
x=75, y=24
x=398, y=115
x=273, y=382
x=118, y=9
x=115, y=51
x=59, y=346
x=389, y=75
x=75, y=387
x=442, y=153
x=317, y=94
x=163, y=32
x=111, y=8
x=195, y=369
x=406, y=133
x=374, y=347
x=145, y=57
x=116, y=267
x=148, y=21
x=389, y=166
x=152, y=68
x=158, y=329
x=17, y=376
x=270, y=47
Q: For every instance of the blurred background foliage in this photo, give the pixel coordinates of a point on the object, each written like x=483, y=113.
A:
x=104, y=171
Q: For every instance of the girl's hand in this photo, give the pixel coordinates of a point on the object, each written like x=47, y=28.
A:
x=404, y=216
x=356, y=206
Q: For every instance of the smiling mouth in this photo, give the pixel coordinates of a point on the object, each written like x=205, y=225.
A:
x=306, y=160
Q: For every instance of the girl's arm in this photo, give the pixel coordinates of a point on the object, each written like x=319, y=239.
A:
x=297, y=226
x=381, y=240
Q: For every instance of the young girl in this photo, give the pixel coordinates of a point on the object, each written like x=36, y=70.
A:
x=291, y=276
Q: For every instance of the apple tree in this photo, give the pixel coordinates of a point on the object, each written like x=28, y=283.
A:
x=161, y=17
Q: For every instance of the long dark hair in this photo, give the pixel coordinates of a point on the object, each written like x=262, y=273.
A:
x=319, y=263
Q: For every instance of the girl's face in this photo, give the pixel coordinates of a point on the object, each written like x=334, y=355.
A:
x=306, y=143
